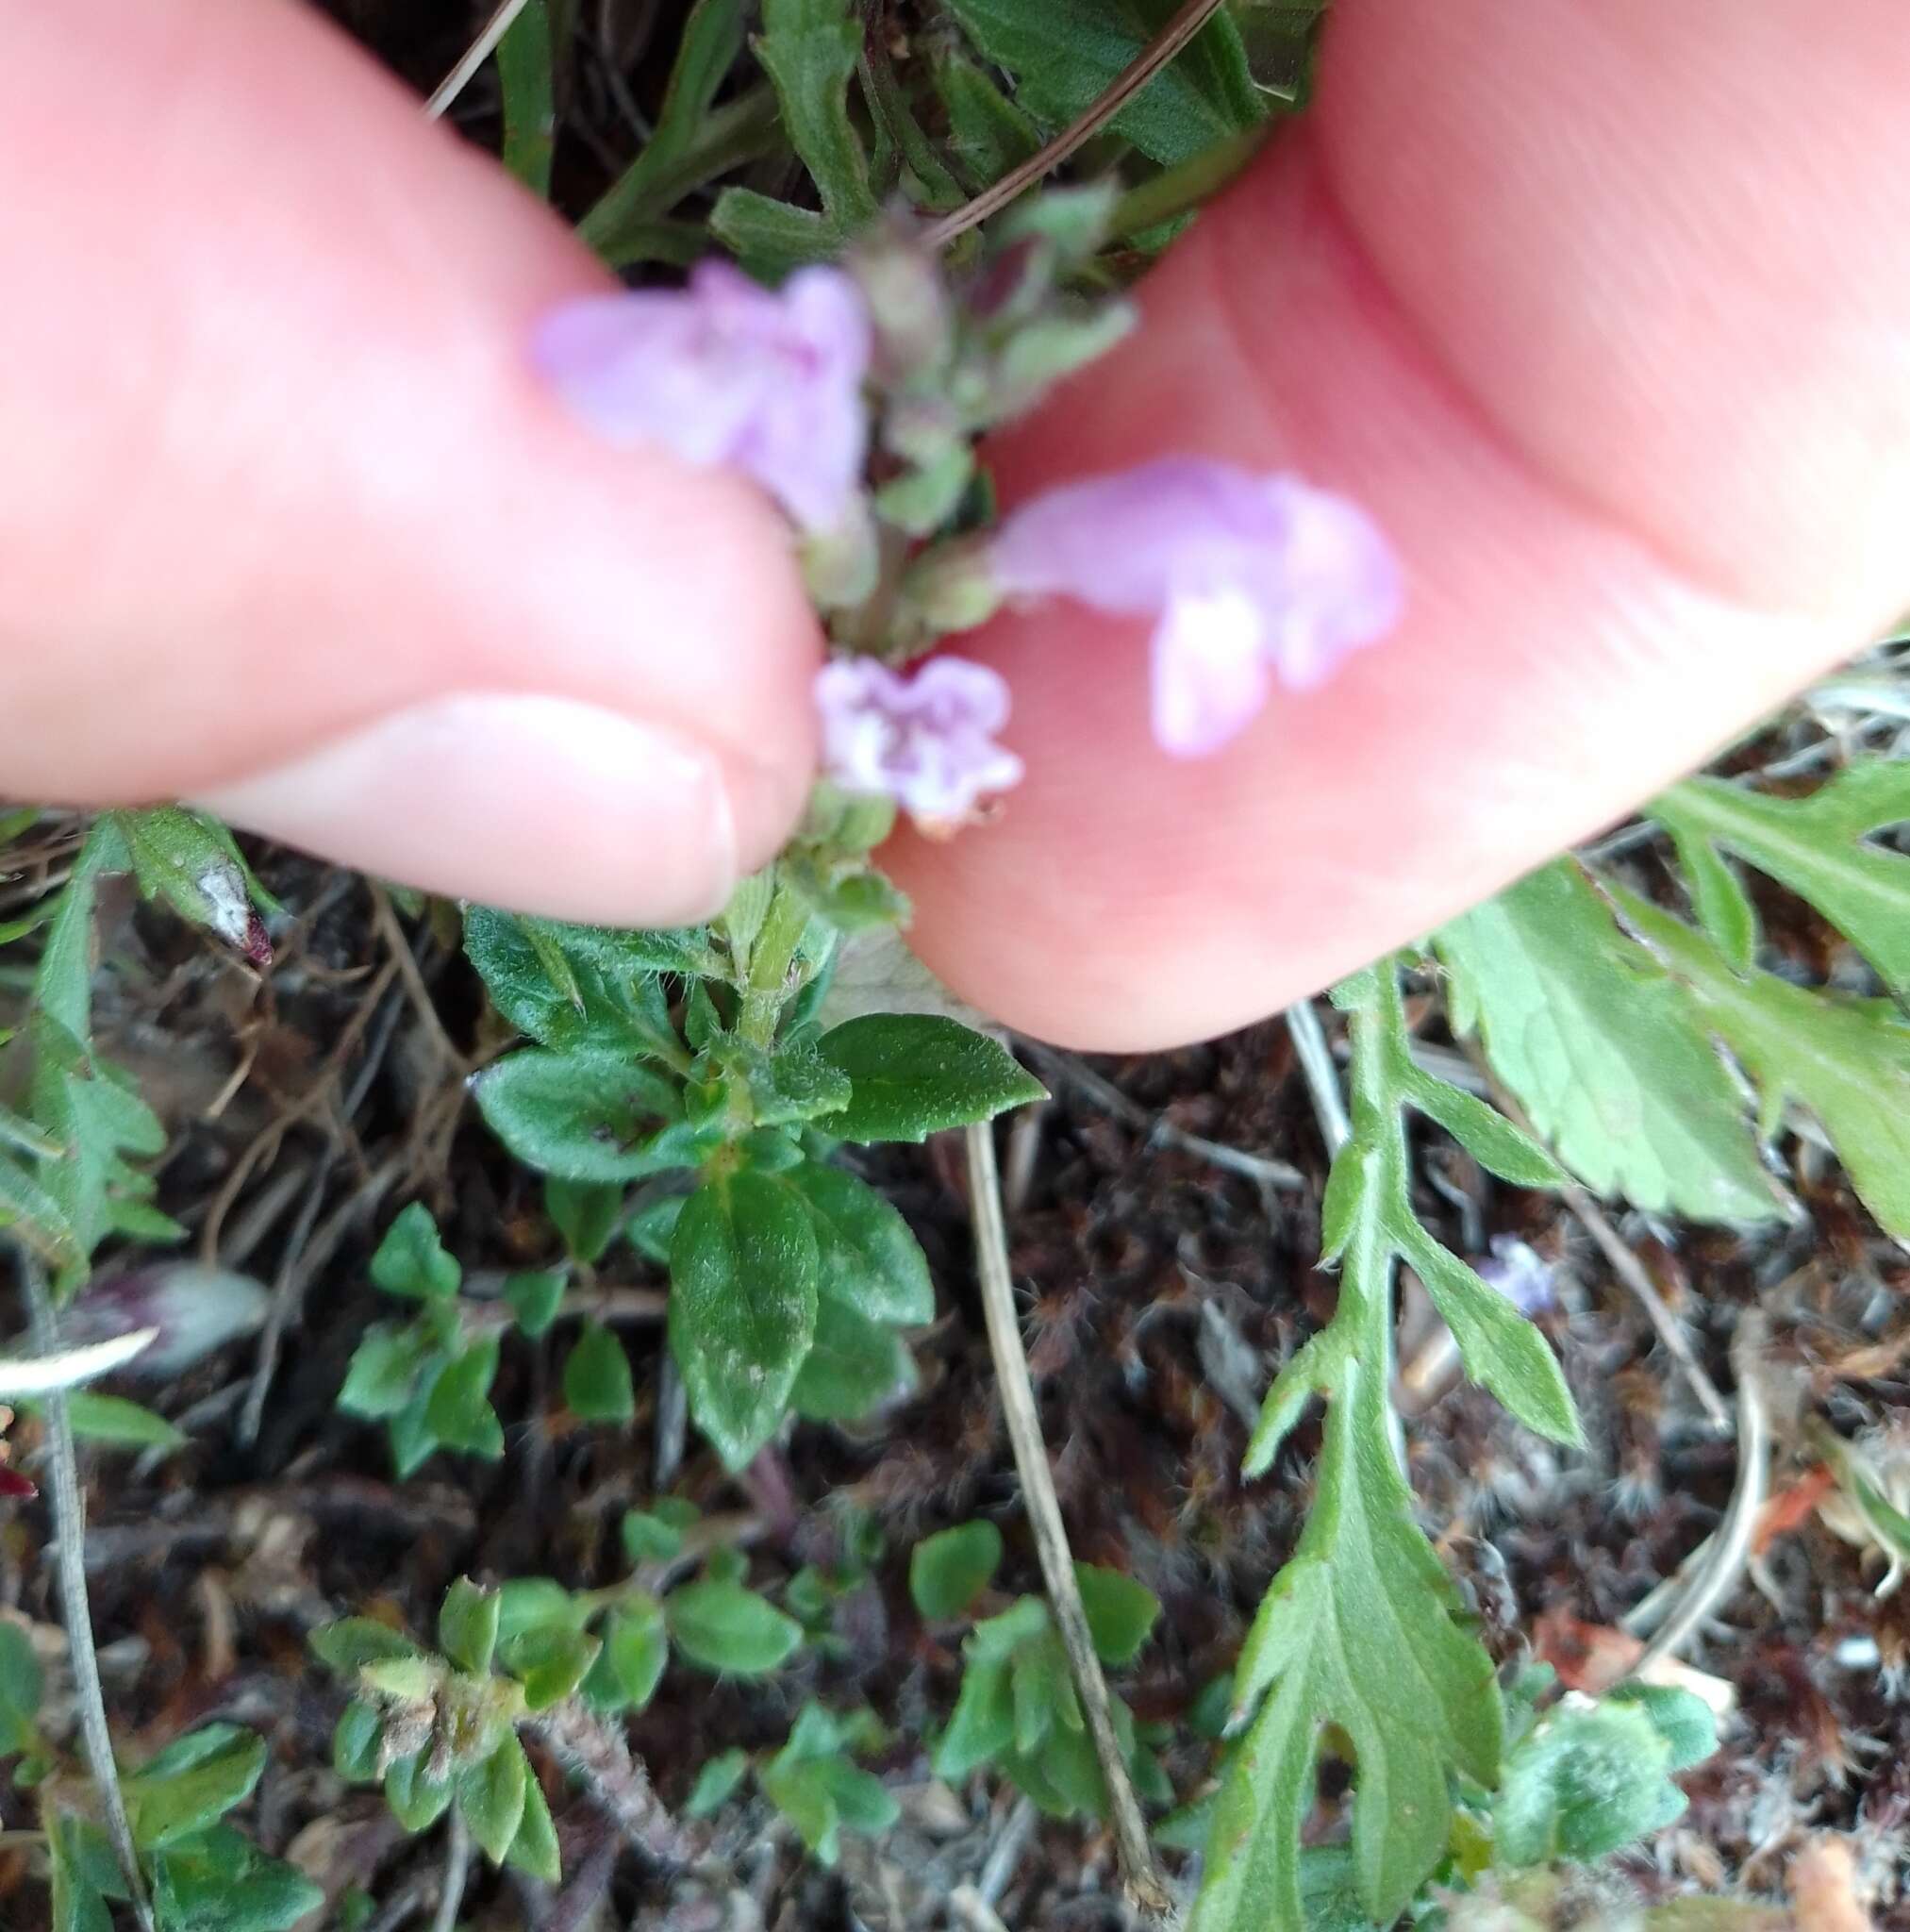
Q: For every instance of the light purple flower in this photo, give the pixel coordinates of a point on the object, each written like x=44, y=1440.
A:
x=1521, y=1274
x=1250, y=578
x=925, y=740
x=725, y=372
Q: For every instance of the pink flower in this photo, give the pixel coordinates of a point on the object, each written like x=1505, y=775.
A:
x=1250, y=578
x=925, y=741
x=725, y=372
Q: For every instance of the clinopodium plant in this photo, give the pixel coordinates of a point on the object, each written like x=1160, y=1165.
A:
x=698, y=1097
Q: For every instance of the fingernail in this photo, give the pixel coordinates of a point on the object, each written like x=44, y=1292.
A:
x=540, y=804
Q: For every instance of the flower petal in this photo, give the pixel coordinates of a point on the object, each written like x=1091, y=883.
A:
x=1210, y=672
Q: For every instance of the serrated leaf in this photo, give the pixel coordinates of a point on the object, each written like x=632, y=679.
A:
x=1605, y=1052
x=988, y=134
x=196, y=1779
x=948, y=1569
x=1486, y=1134
x=490, y=1796
x=587, y=1115
x=1122, y=1612
x=1846, y=1060
x=1066, y=52
x=852, y=1368
x=597, y=1382
x=1818, y=847
x=467, y=1626
x=871, y=1261
x=729, y=1629
x=744, y=1268
x=915, y=1074
x=1501, y=1349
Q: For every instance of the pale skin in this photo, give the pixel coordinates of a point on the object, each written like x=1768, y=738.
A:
x=1603, y=306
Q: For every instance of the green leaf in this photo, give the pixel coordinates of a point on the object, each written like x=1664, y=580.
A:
x=20, y=1690
x=586, y=1214
x=191, y=862
x=744, y=1268
x=457, y=1412
x=769, y=238
x=417, y=1801
x=1362, y=1628
x=948, y=1571
x=534, y=1298
x=490, y=1795
x=988, y=134
x=1686, y=1723
x=355, y=1743
x=1846, y=1060
x=193, y=1781
x=1501, y=1349
x=1584, y=1784
x=524, y=82
x=650, y=1536
x=1066, y=52
x=712, y=39
x=915, y=1074
x=1120, y=1613
x=1604, y=1051
x=124, y=1425
x=549, y=1662
x=871, y=1262
x=584, y=1116
x=535, y=1847
x=729, y=1629
x=714, y=1783
x=529, y=1603
x=467, y=1626
x=1484, y=1133
x=220, y=1881
x=411, y=1260
x=354, y=1641
x=809, y=49
x=597, y=1384
x=983, y=1724
x=383, y=1375
x=853, y=1366
x=1818, y=846
x=636, y=1649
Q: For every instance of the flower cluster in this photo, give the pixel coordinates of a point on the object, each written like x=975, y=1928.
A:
x=1250, y=581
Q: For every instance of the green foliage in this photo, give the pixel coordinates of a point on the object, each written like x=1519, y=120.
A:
x=1845, y=1059
x=1362, y=1630
x=1818, y=846
x=731, y=1630
x=113, y=1421
x=21, y=1688
x=526, y=87
x=1591, y=1778
x=915, y=1074
x=948, y=1571
x=1064, y=55
x=597, y=1383
x=1017, y=1711
x=814, y=1783
x=1604, y=1050
x=809, y=49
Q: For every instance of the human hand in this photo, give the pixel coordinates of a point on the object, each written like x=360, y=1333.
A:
x=1618, y=360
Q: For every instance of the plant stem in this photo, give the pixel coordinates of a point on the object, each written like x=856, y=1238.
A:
x=69, y=1518
x=1145, y=1887
x=771, y=958
x=457, y=1874
x=1322, y=1080
x=1193, y=15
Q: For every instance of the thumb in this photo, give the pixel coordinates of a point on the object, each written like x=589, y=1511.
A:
x=288, y=527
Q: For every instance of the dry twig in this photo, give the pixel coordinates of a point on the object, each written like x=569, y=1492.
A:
x=472, y=59
x=1143, y=1880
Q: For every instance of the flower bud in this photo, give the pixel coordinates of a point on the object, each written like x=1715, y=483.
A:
x=194, y=1310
